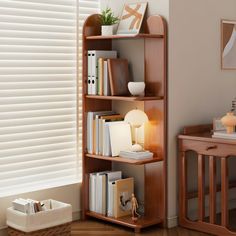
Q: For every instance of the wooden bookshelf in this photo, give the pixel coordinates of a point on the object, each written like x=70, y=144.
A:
x=155, y=106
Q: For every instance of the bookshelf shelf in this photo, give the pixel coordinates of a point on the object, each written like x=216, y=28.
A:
x=137, y=36
x=123, y=98
x=127, y=221
x=154, y=59
x=126, y=160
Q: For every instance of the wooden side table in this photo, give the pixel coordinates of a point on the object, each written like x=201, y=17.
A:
x=199, y=140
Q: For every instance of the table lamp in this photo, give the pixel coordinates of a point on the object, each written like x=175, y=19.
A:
x=136, y=118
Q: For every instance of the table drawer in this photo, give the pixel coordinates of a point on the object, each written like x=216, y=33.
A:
x=209, y=148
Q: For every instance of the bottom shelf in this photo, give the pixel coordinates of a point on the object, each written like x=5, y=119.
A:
x=127, y=221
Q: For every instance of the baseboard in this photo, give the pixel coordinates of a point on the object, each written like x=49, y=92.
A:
x=172, y=222
x=75, y=216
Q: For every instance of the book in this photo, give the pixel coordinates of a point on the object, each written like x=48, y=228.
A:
x=105, y=144
x=119, y=76
x=106, y=82
x=120, y=137
x=92, y=193
x=111, y=177
x=110, y=202
x=21, y=205
x=224, y=135
x=98, y=190
x=100, y=75
x=106, y=137
x=101, y=196
x=123, y=190
x=89, y=88
x=136, y=155
x=95, y=54
x=91, y=129
x=97, y=131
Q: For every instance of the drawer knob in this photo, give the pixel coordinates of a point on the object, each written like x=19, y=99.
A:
x=211, y=147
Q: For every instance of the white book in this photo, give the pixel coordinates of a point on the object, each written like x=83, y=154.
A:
x=89, y=85
x=120, y=137
x=101, y=193
x=136, y=155
x=98, y=131
x=95, y=55
x=93, y=85
x=92, y=191
x=110, y=178
x=110, y=204
x=21, y=205
x=106, y=137
x=91, y=128
x=224, y=135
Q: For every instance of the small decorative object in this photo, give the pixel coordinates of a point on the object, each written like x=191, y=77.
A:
x=136, y=118
x=229, y=121
x=119, y=76
x=228, y=50
x=108, y=20
x=134, y=204
x=131, y=18
x=136, y=88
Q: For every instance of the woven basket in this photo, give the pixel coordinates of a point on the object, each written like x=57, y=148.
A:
x=60, y=230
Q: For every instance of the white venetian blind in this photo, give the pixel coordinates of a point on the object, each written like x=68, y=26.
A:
x=38, y=94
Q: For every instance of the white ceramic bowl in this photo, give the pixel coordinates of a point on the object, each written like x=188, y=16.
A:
x=136, y=88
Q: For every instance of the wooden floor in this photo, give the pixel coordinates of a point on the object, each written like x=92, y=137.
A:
x=96, y=228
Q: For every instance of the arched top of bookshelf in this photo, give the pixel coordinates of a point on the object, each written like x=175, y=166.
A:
x=153, y=27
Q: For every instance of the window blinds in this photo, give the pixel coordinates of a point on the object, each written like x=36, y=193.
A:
x=38, y=94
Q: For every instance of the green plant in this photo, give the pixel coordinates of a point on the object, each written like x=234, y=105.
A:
x=108, y=17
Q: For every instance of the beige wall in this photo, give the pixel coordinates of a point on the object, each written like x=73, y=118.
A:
x=198, y=89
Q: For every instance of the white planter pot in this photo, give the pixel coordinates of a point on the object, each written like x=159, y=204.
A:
x=107, y=30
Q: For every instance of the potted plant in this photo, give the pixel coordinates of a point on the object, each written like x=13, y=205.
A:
x=108, y=20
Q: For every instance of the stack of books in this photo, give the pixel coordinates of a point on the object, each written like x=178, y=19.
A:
x=136, y=155
x=27, y=206
x=224, y=135
x=107, y=133
x=109, y=194
x=98, y=76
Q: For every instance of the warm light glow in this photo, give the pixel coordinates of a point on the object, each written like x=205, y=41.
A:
x=136, y=118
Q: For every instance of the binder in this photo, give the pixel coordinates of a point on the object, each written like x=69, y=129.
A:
x=92, y=193
x=89, y=84
x=110, y=202
x=95, y=55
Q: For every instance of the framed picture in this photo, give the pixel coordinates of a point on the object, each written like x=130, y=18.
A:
x=228, y=45
x=132, y=18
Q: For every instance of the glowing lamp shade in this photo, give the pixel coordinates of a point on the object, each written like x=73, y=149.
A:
x=136, y=118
